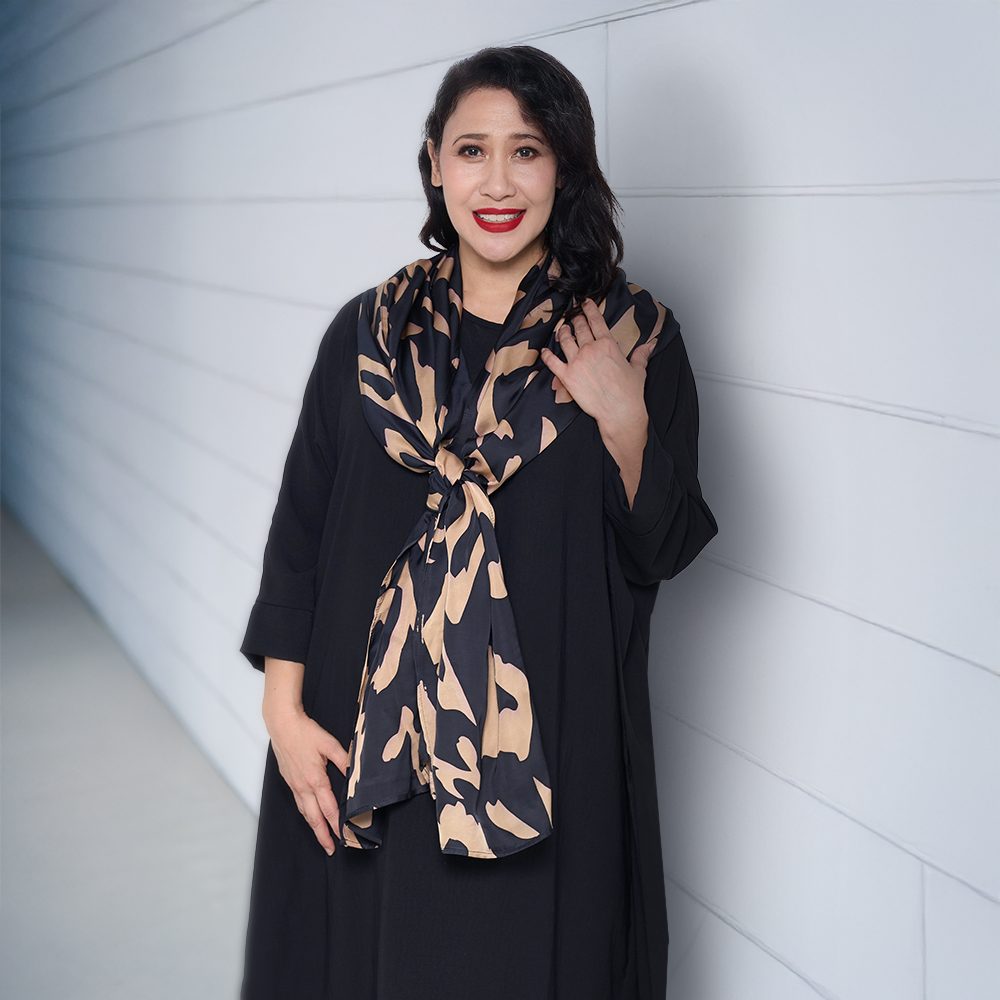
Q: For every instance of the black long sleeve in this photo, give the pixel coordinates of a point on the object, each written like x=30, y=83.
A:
x=282, y=618
x=668, y=523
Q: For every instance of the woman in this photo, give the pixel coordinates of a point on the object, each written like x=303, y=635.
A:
x=510, y=430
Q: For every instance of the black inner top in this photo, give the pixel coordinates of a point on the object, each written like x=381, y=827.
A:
x=477, y=338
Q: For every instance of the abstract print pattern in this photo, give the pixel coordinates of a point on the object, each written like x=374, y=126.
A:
x=445, y=705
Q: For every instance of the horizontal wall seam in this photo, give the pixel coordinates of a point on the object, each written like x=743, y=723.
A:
x=945, y=420
x=137, y=542
x=824, y=800
x=881, y=190
x=942, y=186
x=76, y=428
x=642, y=10
x=19, y=295
x=182, y=655
x=170, y=201
x=736, y=567
x=150, y=415
x=36, y=253
x=17, y=109
x=241, y=106
x=57, y=37
x=744, y=931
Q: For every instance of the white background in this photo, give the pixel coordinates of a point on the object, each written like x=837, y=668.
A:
x=192, y=189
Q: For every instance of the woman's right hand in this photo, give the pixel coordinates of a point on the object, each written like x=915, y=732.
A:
x=302, y=748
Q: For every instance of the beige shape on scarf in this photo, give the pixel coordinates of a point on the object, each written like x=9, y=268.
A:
x=394, y=404
x=397, y=446
x=545, y=794
x=424, y=375
x=356, y=747
x=445, y=773
x=503, y=362
x=386, y=671
x=455, y=823
x=451, y=694
x=458, y=586
x=502, y=817
x=509, y=730
x=626, y=331
x=549, y=434
x=394, y=744
x=498, y=587
x=428, y=725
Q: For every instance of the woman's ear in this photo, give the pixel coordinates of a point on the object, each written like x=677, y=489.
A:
x=435, y=165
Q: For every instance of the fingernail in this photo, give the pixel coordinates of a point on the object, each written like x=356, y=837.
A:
x=329, y=852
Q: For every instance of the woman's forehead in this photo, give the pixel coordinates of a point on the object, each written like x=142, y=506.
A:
x=489, y=114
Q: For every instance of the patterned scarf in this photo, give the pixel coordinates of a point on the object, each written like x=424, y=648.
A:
x=444, y=702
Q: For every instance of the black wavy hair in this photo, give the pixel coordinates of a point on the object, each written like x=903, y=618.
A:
x=582, y=231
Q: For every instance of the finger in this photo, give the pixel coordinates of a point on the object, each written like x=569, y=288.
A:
x=315, y=818
x=553, y=362
x=307, y=806
x=598, y=326
x=640, y=356
x=581, y=328
x=327, y=802
x=563, y=395
x=334, y=752
x=567, y=341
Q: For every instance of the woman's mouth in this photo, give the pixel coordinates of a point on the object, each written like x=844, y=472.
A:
x=498, y=220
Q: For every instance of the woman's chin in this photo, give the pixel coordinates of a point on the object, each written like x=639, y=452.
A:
x=496, y=250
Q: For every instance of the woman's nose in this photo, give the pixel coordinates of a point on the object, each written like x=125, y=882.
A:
x=498, y=182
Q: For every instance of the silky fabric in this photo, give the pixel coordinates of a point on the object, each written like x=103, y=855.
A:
x=445, y=704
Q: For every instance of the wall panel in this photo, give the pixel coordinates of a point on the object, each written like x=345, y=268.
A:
x=827, y=896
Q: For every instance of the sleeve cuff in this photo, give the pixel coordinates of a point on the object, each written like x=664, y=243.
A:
x=283, y=633
x=655, y=483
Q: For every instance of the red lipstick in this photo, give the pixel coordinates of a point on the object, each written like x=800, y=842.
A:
x=508, y=219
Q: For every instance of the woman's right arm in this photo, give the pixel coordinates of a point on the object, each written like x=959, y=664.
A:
x=280, y=627
x=302, y=748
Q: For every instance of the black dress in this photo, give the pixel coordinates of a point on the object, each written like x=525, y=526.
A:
x=579, y=916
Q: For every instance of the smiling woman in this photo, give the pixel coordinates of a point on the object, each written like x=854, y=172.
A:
x=495, y=464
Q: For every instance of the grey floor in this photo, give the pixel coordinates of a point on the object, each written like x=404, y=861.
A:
x=124, y=858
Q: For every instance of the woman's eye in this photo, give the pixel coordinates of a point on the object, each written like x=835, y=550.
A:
x=472, y=152
x=525, y=153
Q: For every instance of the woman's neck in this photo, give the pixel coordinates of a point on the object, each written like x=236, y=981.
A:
x=489, y=287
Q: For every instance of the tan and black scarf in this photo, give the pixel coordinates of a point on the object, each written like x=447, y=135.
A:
x=444, y=702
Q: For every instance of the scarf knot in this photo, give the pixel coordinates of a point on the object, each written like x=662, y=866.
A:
x=450, y=476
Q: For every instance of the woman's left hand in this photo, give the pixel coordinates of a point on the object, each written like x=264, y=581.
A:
x=606, y=385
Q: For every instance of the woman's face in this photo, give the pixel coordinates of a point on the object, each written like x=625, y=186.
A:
x=499, y=178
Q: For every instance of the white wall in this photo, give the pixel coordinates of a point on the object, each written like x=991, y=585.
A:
x=190, y=190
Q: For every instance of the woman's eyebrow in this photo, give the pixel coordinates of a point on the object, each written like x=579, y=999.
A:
x=483, y=135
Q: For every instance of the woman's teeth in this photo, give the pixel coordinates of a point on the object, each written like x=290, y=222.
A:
x=505, y=217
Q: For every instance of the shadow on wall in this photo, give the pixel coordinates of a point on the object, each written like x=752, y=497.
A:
x=694, y=241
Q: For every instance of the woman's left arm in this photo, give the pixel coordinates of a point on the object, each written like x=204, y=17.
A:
x=607, y=386
x=647, y=413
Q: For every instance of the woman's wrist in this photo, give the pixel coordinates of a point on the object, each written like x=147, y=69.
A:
x=282, y=691
x=625, y=433
x=625, y=444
